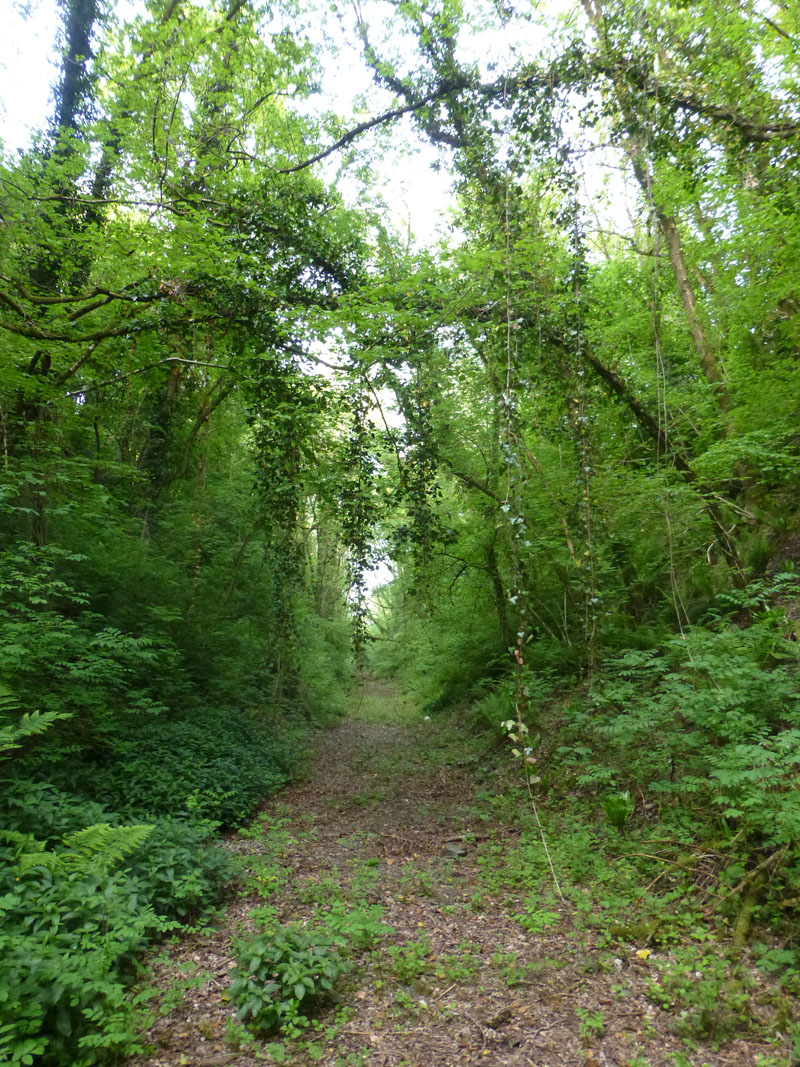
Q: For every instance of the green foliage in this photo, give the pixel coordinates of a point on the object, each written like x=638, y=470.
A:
x=281, y=974
x=69, y=937
x=735, y=740
x=411, y=960
x=591, y=1024
x=98, y=847
x=181, y=871
x=324, y=649
x=710, y=998
x=597, y=438
x=355, y=925
x=618, y=808
x=72, y=926
x=29, y=724
x=494, y=710
x=215, y=768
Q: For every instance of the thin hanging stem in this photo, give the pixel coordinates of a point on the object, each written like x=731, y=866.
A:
x=513, y=446
x=529, y=787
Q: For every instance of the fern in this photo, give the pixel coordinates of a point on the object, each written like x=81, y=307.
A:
x=19, y=840
x=96, y=848
x=8, y=703
x=105, y=844
x=31, y=723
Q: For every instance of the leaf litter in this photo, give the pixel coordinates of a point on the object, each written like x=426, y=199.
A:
x=458, y=981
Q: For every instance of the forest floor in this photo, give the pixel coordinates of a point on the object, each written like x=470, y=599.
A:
x=391, y=825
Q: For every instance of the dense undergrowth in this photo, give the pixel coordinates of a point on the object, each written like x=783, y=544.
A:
x=114, y=793
x=86, y=884
x=684, y=752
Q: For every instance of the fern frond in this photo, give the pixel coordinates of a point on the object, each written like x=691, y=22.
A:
x=26, y=861
x=29, y=851
x=15, y=837
x=96, y=847
x=9, y=705
x=31, y=723
x=103, y=845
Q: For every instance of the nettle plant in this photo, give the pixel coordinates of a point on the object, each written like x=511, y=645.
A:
x=281, y=976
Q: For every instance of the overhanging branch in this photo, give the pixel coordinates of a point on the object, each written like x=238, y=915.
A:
x=379, y=120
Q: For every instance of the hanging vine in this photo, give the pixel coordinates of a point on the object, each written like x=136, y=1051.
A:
x=422, y=531
x=358, y=503
x=282, y=409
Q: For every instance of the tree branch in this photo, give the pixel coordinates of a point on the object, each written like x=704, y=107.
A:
x=379, y=120
x=33, y=331
x=169, y=361
x=473, y=483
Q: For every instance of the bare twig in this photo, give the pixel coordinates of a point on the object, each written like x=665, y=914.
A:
x=751, y=876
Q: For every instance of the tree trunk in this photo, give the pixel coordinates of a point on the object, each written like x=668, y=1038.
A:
x=499, y=594
x=667, y=224
x=672, y=238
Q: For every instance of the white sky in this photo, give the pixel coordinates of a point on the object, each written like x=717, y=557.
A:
x=417, y=195
x=26, y=69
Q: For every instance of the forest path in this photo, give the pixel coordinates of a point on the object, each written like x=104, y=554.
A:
x=389, y=820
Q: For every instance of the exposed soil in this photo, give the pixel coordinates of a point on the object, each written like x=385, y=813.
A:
x=374, y=796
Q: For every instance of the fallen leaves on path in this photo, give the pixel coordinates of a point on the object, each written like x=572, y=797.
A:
x=370, y=801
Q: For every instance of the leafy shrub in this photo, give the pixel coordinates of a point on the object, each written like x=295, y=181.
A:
x=72, y=924
x=216, y=765
x=70, y=930
x=325, y=665
x=281, y=974
x=14, y=733
x=715, y=714
x=81, y=893
x=411, y=960
x=104, y=645
x=49, y=813
x=355, y=926
x=104, y=673
x=709, y=724
x=179, y=871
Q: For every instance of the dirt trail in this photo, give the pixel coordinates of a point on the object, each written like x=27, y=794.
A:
x=386, y=816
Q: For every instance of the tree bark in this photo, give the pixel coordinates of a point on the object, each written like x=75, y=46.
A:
x=667, y=224
x=672, y=238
